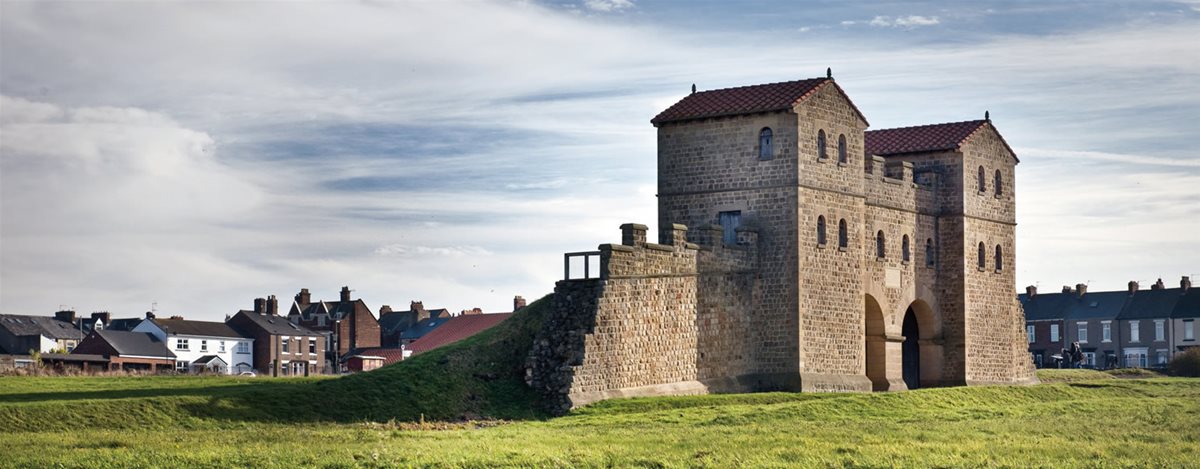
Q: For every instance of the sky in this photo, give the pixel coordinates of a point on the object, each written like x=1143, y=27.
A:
x=190, y=157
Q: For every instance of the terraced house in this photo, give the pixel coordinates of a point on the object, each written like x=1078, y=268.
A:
x=281, y=347
x=202, y=346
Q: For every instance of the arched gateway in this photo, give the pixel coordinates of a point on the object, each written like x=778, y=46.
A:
x=907, y=354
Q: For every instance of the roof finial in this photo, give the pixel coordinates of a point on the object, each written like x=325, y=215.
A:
x=829, y=72
x=987, y=116
x=693, y=88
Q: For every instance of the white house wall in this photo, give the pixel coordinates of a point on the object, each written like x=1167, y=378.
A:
x=193, y=352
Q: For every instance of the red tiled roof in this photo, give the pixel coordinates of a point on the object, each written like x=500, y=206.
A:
x=390, y=355
x=922, y=138
x=456, y=329
x=744, y=100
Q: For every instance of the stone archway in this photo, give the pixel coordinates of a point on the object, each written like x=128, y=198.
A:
x=876, y=345
x=911, y=351
x=922, y=351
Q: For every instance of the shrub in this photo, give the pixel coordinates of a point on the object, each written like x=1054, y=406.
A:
x=1186, y=363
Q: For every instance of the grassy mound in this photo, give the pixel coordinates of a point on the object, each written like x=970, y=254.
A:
x=481, y=377
x=1134, y=373
x=1055, y=375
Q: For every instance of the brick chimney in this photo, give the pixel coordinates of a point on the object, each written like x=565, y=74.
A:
x=1133, y=287
x=1185, y=283
x=518, y=303
x=1080, y=289
x=416, y=306
x=103, y=316
x=471, y=312
x=346, y=294
x=1030, y=291
x=385, y=310
x=272, y=306
x=1067, y=289
x=260, y=306
x=1158, y=285
x=303, y=297
x=149, y=315
x=177, y=317
x=66, y=316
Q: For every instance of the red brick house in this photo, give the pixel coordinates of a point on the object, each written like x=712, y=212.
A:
x=350, y=323
x=127, y=350
x=281, y=347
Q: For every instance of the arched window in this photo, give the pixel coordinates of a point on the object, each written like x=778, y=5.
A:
x=929, y=252
x=766, y=147
x=821, y=230
x=880, y=246
x=842, y=158
x=821, y=144
x=843, y=236
x=999, y=258
x=999, y=179
x=905, y=253
x=982, y=256
x=982, y=180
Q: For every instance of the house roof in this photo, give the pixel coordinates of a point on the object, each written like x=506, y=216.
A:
x=925, y=138
x=456, y=329
x=201, y=328
x=745, y=100
x=1098, y=305
x=1146, y=304
x=1046, y=306
x=1188, y=305
x=277, y=325
x=124, y=324
x=209, y=359
x=389, y=355
x=422, y=327
x=135, y=343
x=21, y=325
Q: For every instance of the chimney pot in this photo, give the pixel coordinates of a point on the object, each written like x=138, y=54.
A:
x=385, y=310
x=303, y=297
x=149, y=315
x=346, y=294
x=1067, y=289
x=1133, y=287
x=1031, y=291
x=416, y=306
x=66, y=315
x=272, y=306
x=1185, y=283
x=1081, y=289
x=518, y=302
x=1158, y=285
x=260, y=306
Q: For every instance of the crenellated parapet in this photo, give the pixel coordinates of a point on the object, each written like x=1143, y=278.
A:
x=894, y=184
x=635, y=257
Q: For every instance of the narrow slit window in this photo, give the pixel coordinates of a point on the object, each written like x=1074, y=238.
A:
x=998, y=183
x=880, y=245
x=982, y=180
x=842, y=157
x=843, y=236
x=766, y=145
x=982, y=256
x=905, y=254
x=821, y=153
x=999, y=258
x=821, y=230
x=929, y=259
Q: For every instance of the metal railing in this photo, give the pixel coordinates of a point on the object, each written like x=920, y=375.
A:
x=587, y=264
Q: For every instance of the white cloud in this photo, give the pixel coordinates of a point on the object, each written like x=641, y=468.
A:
x=608, y=5
x=910, y=21
x=401, y=250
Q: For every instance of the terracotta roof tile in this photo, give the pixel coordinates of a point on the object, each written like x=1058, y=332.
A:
x=456, y=329
x=742, y=100
x=922, y=138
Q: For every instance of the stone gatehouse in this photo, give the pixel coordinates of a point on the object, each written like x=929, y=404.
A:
x=799, y=252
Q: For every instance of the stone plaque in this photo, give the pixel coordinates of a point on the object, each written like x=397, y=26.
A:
x=893, y=278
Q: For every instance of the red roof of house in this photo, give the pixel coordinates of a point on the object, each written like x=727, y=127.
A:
x=390, y=355
x=744, y=100
x=456, y=329
x=923, y=138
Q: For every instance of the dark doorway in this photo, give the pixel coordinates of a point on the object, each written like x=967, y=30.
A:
x=911, y=351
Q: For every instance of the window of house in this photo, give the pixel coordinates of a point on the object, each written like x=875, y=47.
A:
x=286, y=344
x=997, y=182
x=1089, y=359
x=729, y=224
x=905, y=250
x=312, y=346
x=1054, y=332
x=982, y=180
x=1135, y=334
x=221, y=347
x=842, y=156
x=999, y=258
x=1159, y=330
x=1135, y=358
x=1082, y=332
x=1189, y=329
x=1037, y=359
x=203, y=345
x=821, y=230
x=243, y=347
x=181, y=366
x=1163, y=358
x=843, y=235
x=70, y=346
x=181, y=344
x=821, y=153
x=1106, y=331
x=880, y=246
x=929, y=259
x=766, y=149
x=1029, y=332
x=982, y=256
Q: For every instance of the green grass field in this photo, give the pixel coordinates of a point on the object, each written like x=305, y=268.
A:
x=1081, y=419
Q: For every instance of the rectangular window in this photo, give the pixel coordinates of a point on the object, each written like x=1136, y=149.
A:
x=1162, y=358
x=1189, y=329
x=730, y=221
x=1135, y=331
x=1107, y=330
x=1159, y=330
x=1082, y=331
x=221, y=347
x=1089, y=359
x=181, y=344
x=286, y=344
x=1135, y=358
x=243, y=347
x=1037, y=360
x=203, y=345
x=1029, y=331
x=1054, y=332
x=70, y=346
x=312, y=346
x=181, y=366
